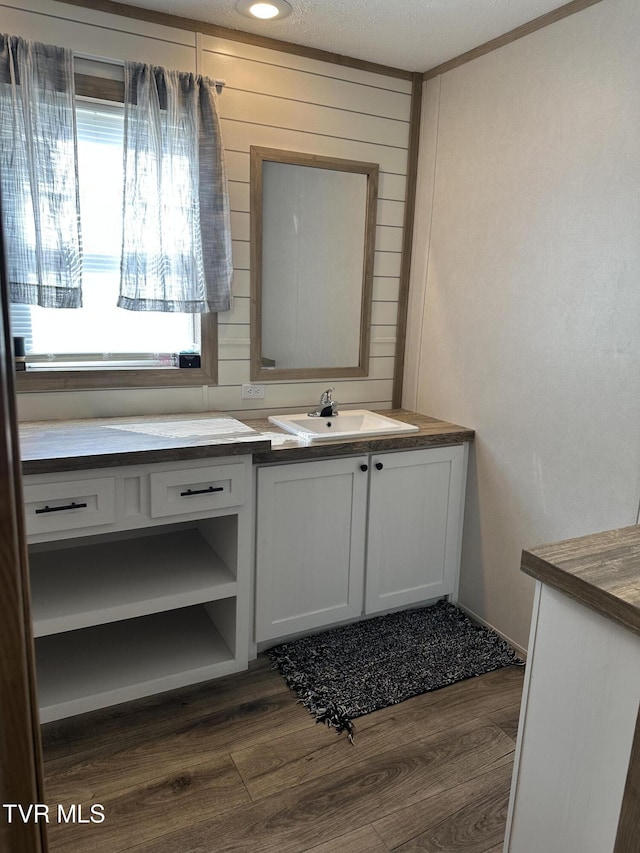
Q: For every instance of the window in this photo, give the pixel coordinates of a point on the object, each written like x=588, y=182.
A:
x=101, y=344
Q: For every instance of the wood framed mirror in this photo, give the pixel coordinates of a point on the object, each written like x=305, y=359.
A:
x=313, y=226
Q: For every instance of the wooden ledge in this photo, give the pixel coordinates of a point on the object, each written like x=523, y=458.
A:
x=600, y=571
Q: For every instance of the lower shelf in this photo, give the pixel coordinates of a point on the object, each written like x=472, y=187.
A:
x=92, y=668
x=79, y=587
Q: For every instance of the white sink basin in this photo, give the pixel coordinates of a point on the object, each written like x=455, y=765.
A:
x=352, y=424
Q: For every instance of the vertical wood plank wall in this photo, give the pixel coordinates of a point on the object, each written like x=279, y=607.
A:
x=271, y=99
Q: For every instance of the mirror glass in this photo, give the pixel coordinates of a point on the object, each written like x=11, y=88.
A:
x=312, y=238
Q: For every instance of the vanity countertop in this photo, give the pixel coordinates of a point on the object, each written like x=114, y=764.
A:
x=55, y=446
x=289, y=448
x=601, y=571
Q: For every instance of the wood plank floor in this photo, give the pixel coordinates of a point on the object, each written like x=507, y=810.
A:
x=238, y=765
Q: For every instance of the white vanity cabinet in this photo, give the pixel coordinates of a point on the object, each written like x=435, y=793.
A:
x=341, y=537
x=139, y=579
x=416, y=506
x=310, y=544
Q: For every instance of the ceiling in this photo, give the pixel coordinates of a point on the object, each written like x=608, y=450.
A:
x=411, y=34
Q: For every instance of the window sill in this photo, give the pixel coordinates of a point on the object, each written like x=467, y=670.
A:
x=86, y=380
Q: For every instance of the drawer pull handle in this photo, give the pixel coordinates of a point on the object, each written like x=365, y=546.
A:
x=364, y=467
x=208, y=491
x=72, y=505
x=379, y=466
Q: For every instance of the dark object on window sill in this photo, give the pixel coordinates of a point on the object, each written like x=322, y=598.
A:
x=189, y=359
x=19, y=360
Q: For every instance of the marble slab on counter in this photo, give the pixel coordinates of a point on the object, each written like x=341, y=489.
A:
x=601, y=571
x=54, y=446
x=289, y=448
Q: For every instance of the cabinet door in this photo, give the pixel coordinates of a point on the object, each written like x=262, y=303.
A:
x=415, y=520
x=309, y=545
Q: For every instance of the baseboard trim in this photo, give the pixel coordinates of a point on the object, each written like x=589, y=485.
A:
x=475, y=618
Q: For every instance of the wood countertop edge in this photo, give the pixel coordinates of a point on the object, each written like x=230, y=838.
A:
x=55, y=465
x=261, y=449
x=356, y=447
x=606, y=603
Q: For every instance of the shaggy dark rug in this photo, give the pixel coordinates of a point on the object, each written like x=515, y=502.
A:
x=351, y=671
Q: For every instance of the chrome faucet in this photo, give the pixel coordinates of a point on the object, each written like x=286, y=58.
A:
x=326, y=408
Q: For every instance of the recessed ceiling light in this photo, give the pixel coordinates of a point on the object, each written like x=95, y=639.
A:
x=266, y=10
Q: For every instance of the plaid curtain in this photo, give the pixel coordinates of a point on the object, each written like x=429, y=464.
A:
x=39, y=174
x=176, y=253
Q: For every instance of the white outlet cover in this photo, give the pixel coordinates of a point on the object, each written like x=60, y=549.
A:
x=252, y=392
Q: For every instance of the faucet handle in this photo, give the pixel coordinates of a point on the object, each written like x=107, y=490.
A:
x=325, y=398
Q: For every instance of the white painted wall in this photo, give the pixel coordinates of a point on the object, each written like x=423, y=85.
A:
x=524, y=318
x=275, y=100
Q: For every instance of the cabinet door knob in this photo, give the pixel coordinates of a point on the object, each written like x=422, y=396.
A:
x=364, y=467
x=379, y=466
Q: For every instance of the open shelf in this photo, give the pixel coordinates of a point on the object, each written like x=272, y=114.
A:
x=80, y=671
x=149, y=600
x=77, y=587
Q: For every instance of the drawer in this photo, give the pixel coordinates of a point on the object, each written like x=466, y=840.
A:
x=197, y=489
x=53, y=507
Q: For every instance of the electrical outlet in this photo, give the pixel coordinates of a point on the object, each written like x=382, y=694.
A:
x=252, y=392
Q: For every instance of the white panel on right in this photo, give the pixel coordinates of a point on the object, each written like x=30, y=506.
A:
x=576, y=732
